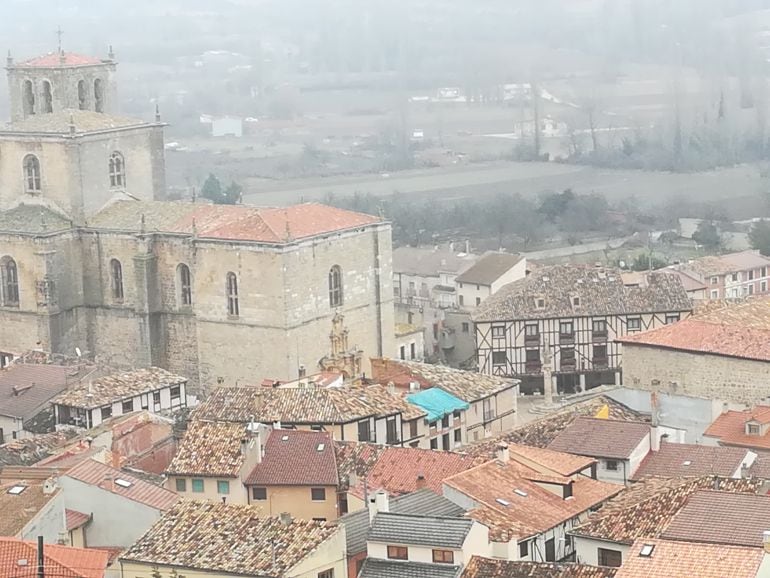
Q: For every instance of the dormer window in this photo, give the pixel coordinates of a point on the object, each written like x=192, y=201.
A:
x=752, y=429
x=575, y=301
x=540, y=302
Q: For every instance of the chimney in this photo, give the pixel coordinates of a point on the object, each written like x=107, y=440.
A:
x=654, y=408
x=378, y=502
x=421, y=483
x=286, y=518
x=50, y=485
x=503, y=454
x=391, y=388
x=302, y=372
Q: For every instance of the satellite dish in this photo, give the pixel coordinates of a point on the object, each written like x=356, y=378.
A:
x=78, y=352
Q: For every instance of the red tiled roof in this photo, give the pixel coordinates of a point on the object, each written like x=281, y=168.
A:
x=397, y=469
x=722, y=518
x=479, y=567
x=679, y=460
x=296, y=458
x=59, y=561
x=533, y=509
x=601, y=438
x=76, y=519
x=730, y=428
x=270, y=225
x=25, y=388
x=96, y=474
x=704, y=337
x=55, y=60
x=559, y=462
x=686, y=560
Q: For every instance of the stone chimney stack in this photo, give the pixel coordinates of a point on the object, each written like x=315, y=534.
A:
x=421, y=483
x=286, y=519
x=378, y=502
x=503, y=454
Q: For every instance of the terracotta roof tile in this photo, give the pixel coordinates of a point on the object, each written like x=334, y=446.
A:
x=19, y=509
x=59, y=561
x=479, y=567
x=721, y=518
x=226, y=538
x=232, y=222
x=562, y=463
x=532, y=510
x=296, y=458
x=26, y=388
x=685, y=560
x=111, y=388
x=730, y=428
x=76, y=519
x=96, y=474
x=645, y=509
x=722, y=264
x=679, y=460
x=601, y=292
x=315, y=405
x=209, y=449
x=601, y=438
x=469, y=386
x=58, y=59
x=28, y=451
x=542, y=432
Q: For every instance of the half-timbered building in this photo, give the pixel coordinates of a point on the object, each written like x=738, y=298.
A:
x=569, y=318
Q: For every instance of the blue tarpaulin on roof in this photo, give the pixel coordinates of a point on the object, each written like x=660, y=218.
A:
x=436, y=402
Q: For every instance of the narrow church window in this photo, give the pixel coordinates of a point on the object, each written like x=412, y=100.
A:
x=82, y=98
x=116, y=274
x=117, y=171
x=232, y=295
x=335, y=286
x=10, y=282
x=185, y=285
x=32, y=174
x=28, y=98
x=47, y=97
x=98, y=95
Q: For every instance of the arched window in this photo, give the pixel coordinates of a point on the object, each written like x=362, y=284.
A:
x=184, y=282
x=335, y=287
x=116, y=280
x=232, y=295
x=117, y=171
x=82, y=96
x=47, y=97
x=9, y=276
x=28, y=98
x=32, y=174
x=98, y=95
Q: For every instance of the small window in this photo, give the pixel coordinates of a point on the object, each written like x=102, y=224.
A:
x=9, y=276
x=499, y=358
x=259, y=494
x=531, y=330
x=434, y=443
x=223, y=487
x=413, y=428
x=412, y=351
x=47, y=97
x=458, y=436
x=751, y=275
x=116, y=279
x=402, y=352
x=398, y=552
x=566, y=328
x=128, y=406
x=523, y=549
x=466, y=327
x=764, y=271
x=156, y=397
x=498, y=331
x=82, y=96
x=462, y=300
x=715, y=293
x=752, y=429
x=443, y=557
x=117, y=171
x=634, y=323
x=106, y=412
x=363, y=431
x=98, y=95
x=576, y=301
x=176, y=393
x=672, y=318
x=714, y=280
x=600, y=352
x=184, y=281
x=181, y=485
x=318, y=494
x=326, y=573
x=478, y=301
x=568, y=355
x=32, y=181
x=735, y=277
x=540, y=303
x=335, y=287
x=233, y=308
x=197, y=486
x=612, y=465
x=611, y=558
x=29, y=98
x=445, y=421
x=599, y=327
x=532, y=355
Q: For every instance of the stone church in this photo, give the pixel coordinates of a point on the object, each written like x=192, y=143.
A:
x=94, y=261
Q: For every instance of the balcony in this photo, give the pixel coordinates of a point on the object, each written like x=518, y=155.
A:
x=599, y=336
x=566, y=338
x=532, y=340
x=489, y=415
x=533, y=367
x=600, y=362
